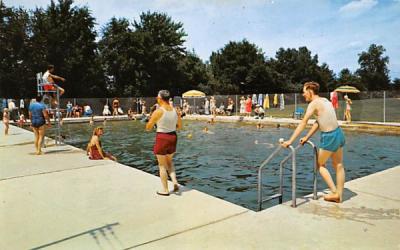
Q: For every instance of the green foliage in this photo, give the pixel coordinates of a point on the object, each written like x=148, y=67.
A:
x=299, y=66
x=148, y=56
x=396, y=84
x=15, y=71
x=64, y=36
x=348, y=78
x=119, y=49
x=240, y=67
x=373, y=70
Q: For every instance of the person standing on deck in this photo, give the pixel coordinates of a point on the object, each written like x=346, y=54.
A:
x=332, y=139
x=39, y=117
x=168, y=121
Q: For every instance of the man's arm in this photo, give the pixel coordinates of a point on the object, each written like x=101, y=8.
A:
x=46, y=116
x=154, y=119
x=310, y=111
x=310, y=133
x=57, y=77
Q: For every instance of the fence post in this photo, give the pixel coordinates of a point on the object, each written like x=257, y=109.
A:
x=295, y=104
x=236, y=105
x=384, y=106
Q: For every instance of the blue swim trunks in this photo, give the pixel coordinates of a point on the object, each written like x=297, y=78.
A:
x=332, y=140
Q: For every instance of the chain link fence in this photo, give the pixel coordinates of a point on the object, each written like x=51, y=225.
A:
x=371, y=106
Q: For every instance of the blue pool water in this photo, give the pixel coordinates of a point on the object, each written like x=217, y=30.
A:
x=225, y=162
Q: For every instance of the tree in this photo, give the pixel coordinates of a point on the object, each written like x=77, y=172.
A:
x=299, y=66
x=240, y=67
x=396, y=84
x=162, y=49
x=16, y=77
x=193, y=74
x=120, y=50
x=65, y=36
x=348, y=78
x=373, y=71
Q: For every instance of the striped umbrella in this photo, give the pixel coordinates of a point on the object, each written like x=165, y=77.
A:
x=347, y=89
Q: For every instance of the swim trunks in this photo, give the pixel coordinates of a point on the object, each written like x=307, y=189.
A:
x=165, y=143
x=332, y=140
x=49, y=87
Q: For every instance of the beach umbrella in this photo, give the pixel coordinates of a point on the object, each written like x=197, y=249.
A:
x=194, y=94
x=347, y=89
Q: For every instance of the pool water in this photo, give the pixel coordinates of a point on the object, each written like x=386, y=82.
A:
x=224, y=163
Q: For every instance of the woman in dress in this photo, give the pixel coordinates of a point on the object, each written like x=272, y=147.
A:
x=248, y=105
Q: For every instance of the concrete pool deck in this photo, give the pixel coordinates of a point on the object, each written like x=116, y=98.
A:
x=62, y=200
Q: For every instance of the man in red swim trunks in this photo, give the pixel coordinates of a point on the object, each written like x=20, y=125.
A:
x=168, y=121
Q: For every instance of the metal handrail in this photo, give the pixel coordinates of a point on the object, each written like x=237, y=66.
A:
x=293, y=175
x=315, y=150
x=260, y=201
x=294, y=188
x=292, y=155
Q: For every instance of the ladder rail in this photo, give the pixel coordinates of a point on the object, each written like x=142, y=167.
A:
x=291, y=155
x=263, y=164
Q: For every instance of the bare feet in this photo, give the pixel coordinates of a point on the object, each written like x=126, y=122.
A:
x=333, y=197
x=176, y=188
x=38, y=152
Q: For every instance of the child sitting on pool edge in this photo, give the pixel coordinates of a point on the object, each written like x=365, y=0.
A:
x=94, y=148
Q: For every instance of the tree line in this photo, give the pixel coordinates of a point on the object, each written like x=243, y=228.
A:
x=138, y=58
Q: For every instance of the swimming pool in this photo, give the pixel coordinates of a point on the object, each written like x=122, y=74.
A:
x=225, y=163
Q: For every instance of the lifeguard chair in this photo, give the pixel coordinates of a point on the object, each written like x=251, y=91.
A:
x=45, y=90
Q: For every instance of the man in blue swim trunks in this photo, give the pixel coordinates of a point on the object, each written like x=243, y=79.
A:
x=332, y=139
x=39, y=116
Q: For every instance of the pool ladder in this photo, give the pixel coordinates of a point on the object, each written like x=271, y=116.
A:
x=292, y=154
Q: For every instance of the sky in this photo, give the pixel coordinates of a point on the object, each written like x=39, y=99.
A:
x=336, y=30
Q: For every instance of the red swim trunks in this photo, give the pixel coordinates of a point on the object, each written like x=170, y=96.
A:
x=165, y=143
x=49, y=87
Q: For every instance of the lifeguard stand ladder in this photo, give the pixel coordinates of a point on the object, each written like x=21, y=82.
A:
x=292, y=154
x=41, y=91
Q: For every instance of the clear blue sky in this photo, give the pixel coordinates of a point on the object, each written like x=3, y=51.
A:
x=336, y=30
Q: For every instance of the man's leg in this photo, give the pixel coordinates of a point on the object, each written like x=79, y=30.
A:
x=337, y=162
x=36, y=141
x=41, y=131
x=171, y=171
x=6, y=126
x=62, y=91
x=323, y=157
x=162, y=166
